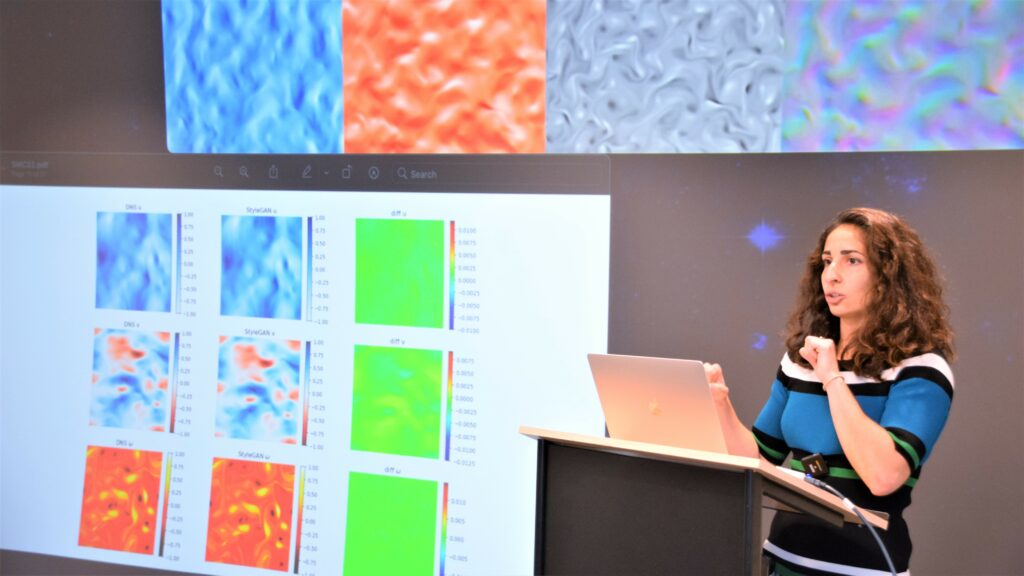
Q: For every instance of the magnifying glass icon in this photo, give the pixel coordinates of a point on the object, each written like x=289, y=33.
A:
x=402, y=174
x=218, y=171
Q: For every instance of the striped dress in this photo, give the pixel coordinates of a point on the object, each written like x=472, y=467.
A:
x=911, y=401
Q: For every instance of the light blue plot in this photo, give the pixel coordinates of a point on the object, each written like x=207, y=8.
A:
x=253, y=76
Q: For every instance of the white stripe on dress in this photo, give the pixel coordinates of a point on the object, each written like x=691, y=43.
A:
x=826, y=566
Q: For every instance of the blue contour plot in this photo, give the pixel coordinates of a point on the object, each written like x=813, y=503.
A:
x=261, y=267
x=133, y=261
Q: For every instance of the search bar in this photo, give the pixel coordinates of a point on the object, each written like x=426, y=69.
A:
x=574, y=175
x=417, y=173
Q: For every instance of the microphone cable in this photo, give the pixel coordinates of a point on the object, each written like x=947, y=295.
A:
x=853, y=508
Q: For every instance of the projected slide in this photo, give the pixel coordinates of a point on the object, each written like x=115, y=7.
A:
x=400, y=272
x=396, y=401
x=261, y=267
x=392, y=525
x=337, y=386
x=130, y=379
x=250, y=513
x=258, y=392
x=120, y=499
x=133, y=261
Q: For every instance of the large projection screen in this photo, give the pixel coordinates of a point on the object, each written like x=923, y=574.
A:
x=702, y=253
x=693, y=256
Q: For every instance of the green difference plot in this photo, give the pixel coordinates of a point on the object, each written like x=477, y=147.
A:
x=391, y=526
x=396, y=401
x=400, y=272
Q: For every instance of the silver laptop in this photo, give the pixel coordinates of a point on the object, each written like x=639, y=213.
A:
x=657, y=400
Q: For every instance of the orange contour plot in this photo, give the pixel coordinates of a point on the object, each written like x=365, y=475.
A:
x=120, y=498
x=443, y=76
x=250, y=513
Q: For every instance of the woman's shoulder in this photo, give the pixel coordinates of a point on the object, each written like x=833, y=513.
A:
x=930, y=366
x=790, y=369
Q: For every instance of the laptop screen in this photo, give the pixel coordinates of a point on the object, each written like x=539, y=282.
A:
x=657, y=400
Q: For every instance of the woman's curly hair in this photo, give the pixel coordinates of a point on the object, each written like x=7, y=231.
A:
x=906, y=313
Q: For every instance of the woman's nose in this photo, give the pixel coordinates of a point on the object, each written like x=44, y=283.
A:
x=831, y=274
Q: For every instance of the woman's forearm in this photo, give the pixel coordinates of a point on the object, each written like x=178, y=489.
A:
x=867, y=445
x=738, y=438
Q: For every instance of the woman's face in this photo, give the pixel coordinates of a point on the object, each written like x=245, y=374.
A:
x=847, y=278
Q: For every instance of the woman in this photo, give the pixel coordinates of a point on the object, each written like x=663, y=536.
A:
x=865, y=383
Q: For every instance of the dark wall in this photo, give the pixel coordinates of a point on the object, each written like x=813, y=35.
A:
x=81, y=76
x=688, y=282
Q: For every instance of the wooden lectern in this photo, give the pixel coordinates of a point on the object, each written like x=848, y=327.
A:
x=607, y=506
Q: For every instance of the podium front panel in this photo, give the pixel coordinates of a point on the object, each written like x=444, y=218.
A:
x=604, y=513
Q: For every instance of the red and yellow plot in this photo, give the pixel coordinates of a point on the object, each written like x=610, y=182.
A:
x=119, y=503
x=250, y=513
x=444, y=77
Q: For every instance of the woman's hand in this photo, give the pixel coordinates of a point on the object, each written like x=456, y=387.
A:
x=821, y=354
x=716, y=380
x=865, y=443
x=738, y=438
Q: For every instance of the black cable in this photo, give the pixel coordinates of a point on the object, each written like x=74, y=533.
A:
x=853, y=508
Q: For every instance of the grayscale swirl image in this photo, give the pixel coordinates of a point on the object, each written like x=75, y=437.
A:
x=664, y=76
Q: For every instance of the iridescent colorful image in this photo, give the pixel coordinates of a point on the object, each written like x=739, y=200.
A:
x=391, y=526
x=400, y=272
x=133, y=261
x=258, y=391
x=396, y=401
x=250, y=514
x=908, y=75
x=120, y=499
x=261, y=267
x=130, y=379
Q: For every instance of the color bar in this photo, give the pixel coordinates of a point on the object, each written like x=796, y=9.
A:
x=177, y=274
x=174, y=379
x=167, y=497
x=305, y=399
x=448, y=411
x=298, y=521
x=444, y=528
x=309, y=269
x=451, y=275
